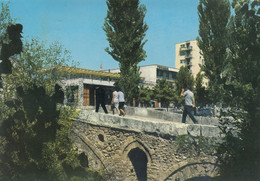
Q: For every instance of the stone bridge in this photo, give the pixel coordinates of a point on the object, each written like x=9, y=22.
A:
x=143, y=145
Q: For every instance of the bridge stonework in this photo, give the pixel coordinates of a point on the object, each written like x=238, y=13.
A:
x=130, y=149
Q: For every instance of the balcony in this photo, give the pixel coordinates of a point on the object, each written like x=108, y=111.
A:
x=188, y=56
x=186, y=48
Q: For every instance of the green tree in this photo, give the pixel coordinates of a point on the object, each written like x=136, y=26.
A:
x=34, y=131
x=184, y=79
x=213, y=20
x=145, y=95
x=239, y=154
x=240, y=83
x=200, y=90
x=164, y=92
x=125, y=30
x=5, y=20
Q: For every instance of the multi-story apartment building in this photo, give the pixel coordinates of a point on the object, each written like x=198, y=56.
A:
x=188, y=54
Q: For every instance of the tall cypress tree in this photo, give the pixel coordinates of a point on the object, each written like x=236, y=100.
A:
x=238, y=154
x=213, y=20
x=125, y=30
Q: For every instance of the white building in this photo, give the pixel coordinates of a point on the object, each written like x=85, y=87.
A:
x=188, y=54
x=152, y=73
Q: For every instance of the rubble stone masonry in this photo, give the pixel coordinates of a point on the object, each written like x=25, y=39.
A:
x=128, y=149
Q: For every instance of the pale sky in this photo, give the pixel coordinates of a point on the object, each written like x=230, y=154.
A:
x=77, y=24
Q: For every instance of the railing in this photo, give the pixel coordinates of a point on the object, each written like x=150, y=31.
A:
x=186, y=48
x=188, y=56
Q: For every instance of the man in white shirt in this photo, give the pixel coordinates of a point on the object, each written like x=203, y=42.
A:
x=189, y=104
x=121, y=99
x=115, y=101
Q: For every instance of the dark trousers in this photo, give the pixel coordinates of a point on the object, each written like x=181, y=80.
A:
x=121, y=106
x=102, y=104
x=188, y=111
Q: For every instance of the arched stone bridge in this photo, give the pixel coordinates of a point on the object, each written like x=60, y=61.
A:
x=143, y=148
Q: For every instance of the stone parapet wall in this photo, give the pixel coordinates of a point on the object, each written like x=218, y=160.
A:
x=169, y=116
x=149, y=125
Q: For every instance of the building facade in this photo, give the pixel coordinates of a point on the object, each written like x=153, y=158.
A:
x=80, y=85
x=188, y=54
x=151, y=74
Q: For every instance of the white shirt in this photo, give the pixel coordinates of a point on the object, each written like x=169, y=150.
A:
x=188, y=98
x=121, y=96
x=115, y=95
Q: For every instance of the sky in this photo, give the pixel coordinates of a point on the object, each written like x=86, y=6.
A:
x=77, y=24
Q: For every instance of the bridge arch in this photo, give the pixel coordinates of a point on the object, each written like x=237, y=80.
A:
x=138, y=156
x=95, y=157
x=133, y=144
x=188, y=167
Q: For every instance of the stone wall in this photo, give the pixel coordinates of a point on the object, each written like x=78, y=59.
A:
x=150, y=124
x=169, y=116
x=121, y=147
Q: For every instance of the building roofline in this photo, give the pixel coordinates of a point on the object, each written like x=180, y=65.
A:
x=147, y=66
x=75, y=70
x=186, y=41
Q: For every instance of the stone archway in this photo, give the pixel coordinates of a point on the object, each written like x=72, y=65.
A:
x=131, y=144
x=138, y=156
x=192, y=170
x=93, y=157
x=139, y=161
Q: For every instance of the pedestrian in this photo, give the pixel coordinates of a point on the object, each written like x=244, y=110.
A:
x=100, y=99
x=115, y=101
x=189, y=105
x=121, y=99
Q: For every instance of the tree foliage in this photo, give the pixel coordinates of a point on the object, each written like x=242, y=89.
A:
x=240, y=85
x=164, y=92
x=145, y=95
x=130, y=83
x=200, y=90
x=5, y=21
x=35, y=133
x=125, y=30
x=213, y=20
x=34, y=130
x=184, y=79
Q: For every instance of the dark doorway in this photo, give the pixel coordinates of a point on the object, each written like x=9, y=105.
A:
x=202, y=178
x=139, y=161
x=83, y=160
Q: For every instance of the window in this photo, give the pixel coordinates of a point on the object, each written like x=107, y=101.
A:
x=183, y=46
x=182, y=53
x=174, y=75
x=159, y=73
x=170, y=75
x=183, y=61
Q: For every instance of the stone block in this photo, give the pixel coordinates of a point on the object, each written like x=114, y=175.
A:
x=193, y=129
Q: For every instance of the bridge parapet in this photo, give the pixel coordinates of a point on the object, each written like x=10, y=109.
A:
x=169, y=116
x=149, y=125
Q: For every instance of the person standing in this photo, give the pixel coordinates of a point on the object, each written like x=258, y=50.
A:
x=100, y=99
x=115, y=101
x=189, y=104
x=121, y=99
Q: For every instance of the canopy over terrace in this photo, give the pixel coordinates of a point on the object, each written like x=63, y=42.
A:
x=73, y=72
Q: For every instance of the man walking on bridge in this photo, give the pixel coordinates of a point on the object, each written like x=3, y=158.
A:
x=100, y=99
x=189, y=104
